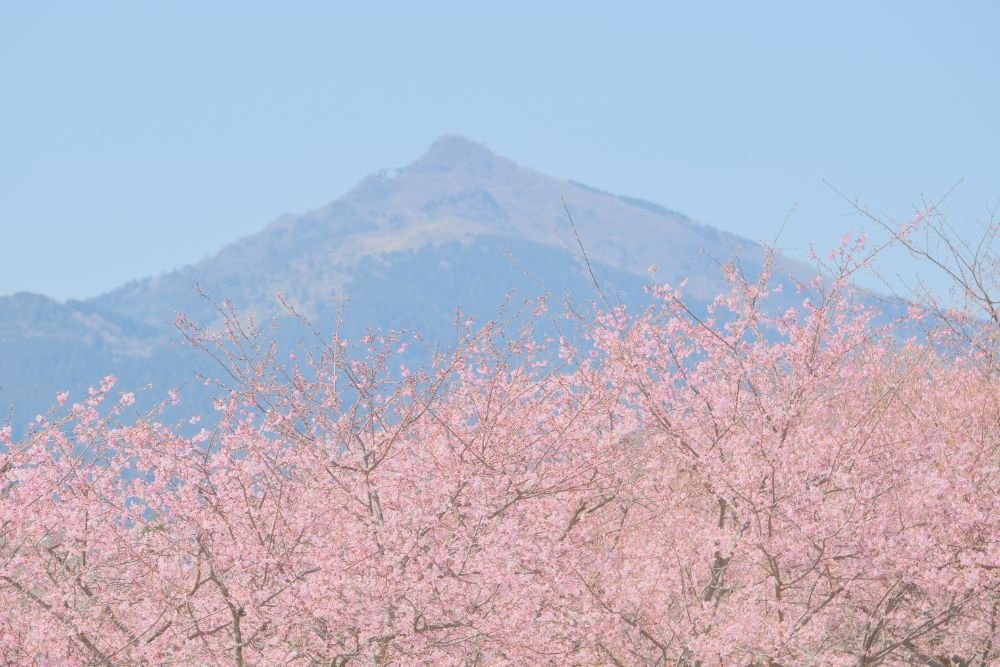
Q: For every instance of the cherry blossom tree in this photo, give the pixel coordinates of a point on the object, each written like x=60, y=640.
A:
x=668, y=487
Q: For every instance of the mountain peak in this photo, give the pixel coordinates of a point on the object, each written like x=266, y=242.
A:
x=452, y=152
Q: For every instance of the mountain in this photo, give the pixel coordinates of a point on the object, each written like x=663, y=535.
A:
x=458, y=227
x=457, y=193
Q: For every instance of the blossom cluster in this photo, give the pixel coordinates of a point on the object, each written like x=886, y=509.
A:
x=799, y=488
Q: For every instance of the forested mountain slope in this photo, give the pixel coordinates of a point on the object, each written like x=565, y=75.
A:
x=458, y=227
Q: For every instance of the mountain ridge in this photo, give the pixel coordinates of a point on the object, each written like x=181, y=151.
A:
x=455, y=191
x=459, y=226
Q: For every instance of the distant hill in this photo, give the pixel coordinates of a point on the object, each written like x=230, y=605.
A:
x=458, y=227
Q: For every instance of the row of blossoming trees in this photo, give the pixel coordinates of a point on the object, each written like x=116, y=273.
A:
x=810, y=487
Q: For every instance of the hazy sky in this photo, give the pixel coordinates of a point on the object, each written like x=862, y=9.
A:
x=136, y=137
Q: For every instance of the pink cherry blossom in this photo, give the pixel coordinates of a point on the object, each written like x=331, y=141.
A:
x=802, y=488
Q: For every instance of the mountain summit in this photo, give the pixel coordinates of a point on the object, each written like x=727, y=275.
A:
x=460, y=226
x=453, y=153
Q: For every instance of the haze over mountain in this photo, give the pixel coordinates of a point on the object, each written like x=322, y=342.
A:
x=458, y=227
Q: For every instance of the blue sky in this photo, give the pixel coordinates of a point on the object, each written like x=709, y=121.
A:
x=139, y=137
